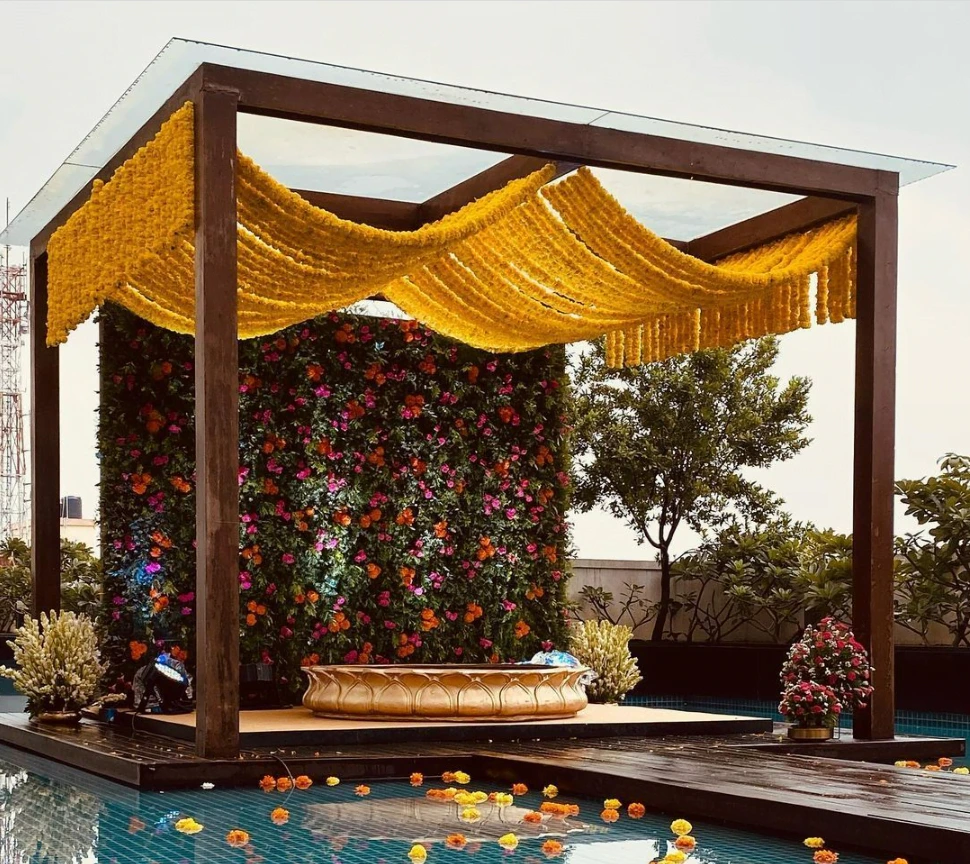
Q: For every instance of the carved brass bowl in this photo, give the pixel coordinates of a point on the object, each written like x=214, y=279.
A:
x=472, y=692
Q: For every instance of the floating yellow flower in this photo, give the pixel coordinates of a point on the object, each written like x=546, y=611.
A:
x=303, y=782
x=470, y=814
x=237, y=838
x=418, y=853
x=464, y=798
x=681, y=826
x=462, y=778
x=636, y=810
x=551, y=848
x=814, y=842
x=417, y=778
x=503, y=799
x=455, y=841
x=188, y=825
x=611, y=804
x=520, y=789
x=961, y=770
x=685, y=843
x=280, y=816
x=609, y=815
x=479, y=797
x=333, y=781
x=675, y=856
x=362, y=791
x=508, y=841
x=900, y=763
x=550, y=791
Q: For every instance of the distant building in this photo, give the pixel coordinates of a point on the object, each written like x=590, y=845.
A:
x=74, y=526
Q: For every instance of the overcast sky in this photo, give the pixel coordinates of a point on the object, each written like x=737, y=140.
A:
x=889, y=77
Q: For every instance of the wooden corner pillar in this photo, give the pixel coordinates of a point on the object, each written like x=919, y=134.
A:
x=216, y=427
x=875, y=416
x=45, y=450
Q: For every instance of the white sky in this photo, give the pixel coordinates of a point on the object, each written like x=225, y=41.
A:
x=883, y=76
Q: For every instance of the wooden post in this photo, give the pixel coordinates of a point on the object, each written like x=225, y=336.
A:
x=875, y=414
x=45, y=451
x=216, y=427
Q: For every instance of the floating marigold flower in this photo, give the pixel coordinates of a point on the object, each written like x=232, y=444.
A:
x=417, y=778
x=503, y=799
x=685, y=843
x=551, y=848
x=898, y=861
x=135, y=825
x=333, y=781
x=900, y=763
x=550, y=791
x=465, y=799
x=188, y=825
x=268, y=783
x=508, y=841
x=237, y=838
x=825, y=856
x=814, y=842
x=611, y=804
x=462, y=778
x=675, y=856
x=280, y=816
x=910, y=763
x=944, y=762
x=456, y=841
x=609, y=815
x=470, y=814
x=362, y=791
x=681, y=826
x=303, y=782
x=418, y=853
x=961, y=770
x=520, y=789
x=284, y=784
x=448, y=777
x=932, y=768
x=532, y=817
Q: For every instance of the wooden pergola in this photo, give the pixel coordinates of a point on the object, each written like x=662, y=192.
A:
x=221, y=92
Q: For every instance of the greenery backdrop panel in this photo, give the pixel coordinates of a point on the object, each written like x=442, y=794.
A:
x=402, y=497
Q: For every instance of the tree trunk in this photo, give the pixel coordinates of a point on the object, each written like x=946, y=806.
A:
x=663, y=609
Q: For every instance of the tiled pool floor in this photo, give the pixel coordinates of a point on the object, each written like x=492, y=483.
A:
x=50, y=814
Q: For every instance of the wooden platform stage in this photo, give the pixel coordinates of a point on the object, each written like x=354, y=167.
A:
x=298, y=726
x=754, y=780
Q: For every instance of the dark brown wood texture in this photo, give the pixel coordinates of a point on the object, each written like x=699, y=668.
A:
x=217, y=427
x=875, y=415
x=45, y=450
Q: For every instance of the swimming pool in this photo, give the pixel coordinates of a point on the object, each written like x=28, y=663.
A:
x=50, y=814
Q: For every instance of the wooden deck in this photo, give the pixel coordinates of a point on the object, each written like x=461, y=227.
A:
x=750, y=780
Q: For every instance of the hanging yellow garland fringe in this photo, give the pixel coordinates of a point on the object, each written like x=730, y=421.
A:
x=527, y=265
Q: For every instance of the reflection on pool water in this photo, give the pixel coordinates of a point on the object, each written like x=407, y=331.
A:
x=50, y=814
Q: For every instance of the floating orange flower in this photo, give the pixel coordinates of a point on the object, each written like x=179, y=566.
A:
x=520, y=789
x=944, y=762
x=551, y=848
x=685, y=843
x=898, y=861
x=303, y=782
x=135, y=825
x=825, y=856
x=284, y=784
x=448, y=777
x=609, y=815
x=933, y=768
x=456, y=841
x=237, y=838
x=636, y=810
x=268, y=783
x=417, y=778
x=362, y=790
x=441, y=794
x=532, y=818
x=280, y=816
x=611, y=804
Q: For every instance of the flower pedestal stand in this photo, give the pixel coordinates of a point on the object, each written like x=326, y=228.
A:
x=57, y=718
x=810, y=733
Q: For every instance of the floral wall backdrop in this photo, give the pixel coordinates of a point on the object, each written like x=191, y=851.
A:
x=402, y=497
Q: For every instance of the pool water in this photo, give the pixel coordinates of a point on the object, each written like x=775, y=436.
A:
x=50, y=814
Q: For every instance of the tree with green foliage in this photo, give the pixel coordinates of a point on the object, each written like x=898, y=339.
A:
x=665, y=444
x=933, y=573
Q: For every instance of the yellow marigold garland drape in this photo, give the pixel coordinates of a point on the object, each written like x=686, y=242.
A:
x=527, y=265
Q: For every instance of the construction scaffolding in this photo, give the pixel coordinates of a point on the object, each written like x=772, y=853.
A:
x=14, y=512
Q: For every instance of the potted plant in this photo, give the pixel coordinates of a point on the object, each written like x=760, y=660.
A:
x=813, y=708
x=58, y=666
x=829, y=656
x=605, y=649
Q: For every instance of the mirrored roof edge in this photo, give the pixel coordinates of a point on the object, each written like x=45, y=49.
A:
x=179, y=58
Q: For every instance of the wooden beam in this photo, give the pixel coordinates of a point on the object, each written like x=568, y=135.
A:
x=556, y=140
x=379, y=212
x=796, y=216
x=45, y=450
x=146, y=132
x=875, y=414
x=216, y=427
x=513, y=168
